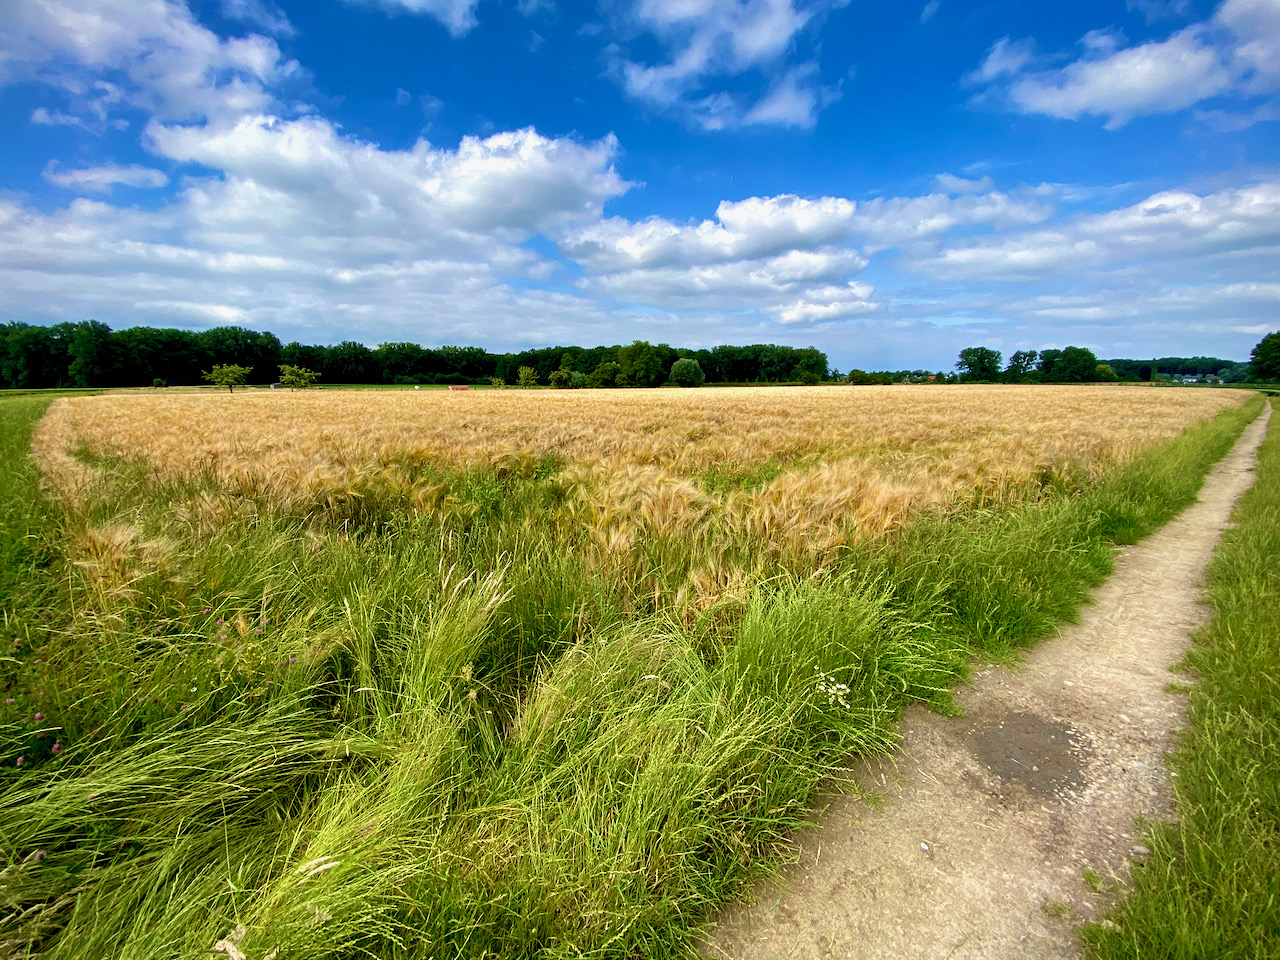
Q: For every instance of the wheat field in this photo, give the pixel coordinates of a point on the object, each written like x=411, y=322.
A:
x=914, y=445
x=782, y=474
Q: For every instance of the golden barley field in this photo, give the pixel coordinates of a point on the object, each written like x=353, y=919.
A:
x=801, y=469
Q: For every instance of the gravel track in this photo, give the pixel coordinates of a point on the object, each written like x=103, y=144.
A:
x=988, y=821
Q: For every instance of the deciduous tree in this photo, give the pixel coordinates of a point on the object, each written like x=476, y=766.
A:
x=1020, y=364
x=297, y=378
x=979, y=363
x=687, y=372
x=1265, y=358
x=91, y=354
x=641, y=364
x=229, y=375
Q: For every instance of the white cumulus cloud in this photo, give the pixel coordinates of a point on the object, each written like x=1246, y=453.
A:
x=1169, y=225
x=305, y=229
x=785, y=257
x=1234, y=53
x=150, y=54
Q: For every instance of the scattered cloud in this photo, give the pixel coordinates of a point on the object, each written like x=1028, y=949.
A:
x=301, y=222
x=1006, y=58
x=309, y=177
x=1159, y=77
x=150, y=55
x=431, y=105
x=708, y=41
x=1229, y=121
x=102, y=179
x=903, y=222
x=1154, y=10
x=55, y=118
x=929, y=10
x=262, y=14
x=793, y=100
x=1164, y=229
x=1234, y=53
x=281, y=220
x=788, y=257
x=529, y=8
x=456, y=16
x=752, y=229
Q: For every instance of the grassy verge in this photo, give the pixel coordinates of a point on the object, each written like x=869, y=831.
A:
x=430, y=734
x=1211, y=887
x=25, y=524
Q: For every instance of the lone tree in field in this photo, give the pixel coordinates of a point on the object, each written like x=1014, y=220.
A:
x=297, y=378
x=979, y=363
x=1266, y=358
x=527, y=377
x=229, y=375
x=688, y=373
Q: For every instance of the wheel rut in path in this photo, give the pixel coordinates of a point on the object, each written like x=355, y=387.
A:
x=989, y=820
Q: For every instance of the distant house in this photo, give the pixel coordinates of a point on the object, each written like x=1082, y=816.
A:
x=1213, y=378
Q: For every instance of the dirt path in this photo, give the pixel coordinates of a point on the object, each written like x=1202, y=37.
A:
x=989, y=820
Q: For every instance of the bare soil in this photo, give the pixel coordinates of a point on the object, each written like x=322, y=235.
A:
x=989, y=821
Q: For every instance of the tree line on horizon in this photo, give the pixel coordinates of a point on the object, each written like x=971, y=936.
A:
x=1081, y=365
x=91, y=354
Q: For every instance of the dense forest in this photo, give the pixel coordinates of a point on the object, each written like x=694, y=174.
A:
x=91, y=354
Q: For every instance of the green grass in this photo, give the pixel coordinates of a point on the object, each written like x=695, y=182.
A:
x=371, y=731
x=26, y=529
x=1211, y=887
x=49, y=392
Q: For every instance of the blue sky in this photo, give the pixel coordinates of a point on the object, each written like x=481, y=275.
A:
x=889, y=182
